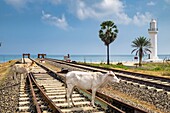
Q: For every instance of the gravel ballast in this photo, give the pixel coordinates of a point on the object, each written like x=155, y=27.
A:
x=9, y=94
x=160, y=100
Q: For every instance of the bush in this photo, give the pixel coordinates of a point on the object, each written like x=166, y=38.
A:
x=157, y=69
x=119, y=64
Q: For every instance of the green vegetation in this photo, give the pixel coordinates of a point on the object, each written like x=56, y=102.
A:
x=156, y=69
x=108, y=34
x=111, y=66
x=161, y=68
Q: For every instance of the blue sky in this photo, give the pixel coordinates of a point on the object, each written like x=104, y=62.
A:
x=71, y=26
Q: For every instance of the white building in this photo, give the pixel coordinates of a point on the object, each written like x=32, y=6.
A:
x=153, y=31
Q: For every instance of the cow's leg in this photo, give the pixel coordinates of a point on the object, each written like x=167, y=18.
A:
x=71, y=96
x=66, y=91
x=93, y=97
x=69, y=90
x=22, y=77
x=15, y=77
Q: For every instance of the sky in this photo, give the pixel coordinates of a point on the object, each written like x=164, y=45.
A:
x=59, y=27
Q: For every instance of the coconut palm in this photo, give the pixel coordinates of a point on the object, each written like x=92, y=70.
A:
x=141, y=45
x=108, y=34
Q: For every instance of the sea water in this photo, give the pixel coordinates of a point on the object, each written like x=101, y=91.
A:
x=84, y=58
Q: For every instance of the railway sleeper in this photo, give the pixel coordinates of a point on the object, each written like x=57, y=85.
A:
x=57, y=93
x=80, y=104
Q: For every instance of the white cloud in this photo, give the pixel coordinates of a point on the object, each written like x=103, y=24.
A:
x=112, y=9
x=151, y=3
x=110, y=6
x=84, y=9
x=17, y=3
x=55, y=21
x=102, y=10
x=142, y=19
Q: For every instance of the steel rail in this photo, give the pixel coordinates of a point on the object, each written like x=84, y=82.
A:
x=51, y=104
x=38, y=110
x=125, y=107
x=98, y=100
x=107, y=106
x=119, y=104
x=115, y=70
x=104, y=70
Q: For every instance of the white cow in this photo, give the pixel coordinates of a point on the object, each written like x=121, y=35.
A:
x=20, y=69
x=87, y=80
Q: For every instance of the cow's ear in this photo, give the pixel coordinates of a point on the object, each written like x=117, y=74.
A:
x=111, y=72
x=114, y=74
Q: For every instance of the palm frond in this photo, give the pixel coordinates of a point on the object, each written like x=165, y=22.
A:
x=141, y=45
x=108, y=32
x=133, y=51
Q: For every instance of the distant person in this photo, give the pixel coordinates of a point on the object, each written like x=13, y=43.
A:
x=67, y=58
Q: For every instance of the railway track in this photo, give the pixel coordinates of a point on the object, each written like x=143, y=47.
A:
x=120, y=106
x=30, y=98
x=142, y=80
x=44, y=92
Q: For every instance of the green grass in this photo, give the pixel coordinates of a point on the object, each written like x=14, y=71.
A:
x=158, y=69
x=109, y=66
x=156, y=66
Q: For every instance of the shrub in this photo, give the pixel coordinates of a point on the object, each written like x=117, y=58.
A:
x=119, y=64
x=157, y=69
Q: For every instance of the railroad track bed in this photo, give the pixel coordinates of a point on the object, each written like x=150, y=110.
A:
x=42, y=93
x=150, y=93
x=26, y=104
x=119, y=104
x=55, y=90
x=149, y=82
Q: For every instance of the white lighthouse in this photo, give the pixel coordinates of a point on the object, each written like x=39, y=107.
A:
x=153, y=31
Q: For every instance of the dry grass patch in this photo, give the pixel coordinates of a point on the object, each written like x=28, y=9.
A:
x=4, y=70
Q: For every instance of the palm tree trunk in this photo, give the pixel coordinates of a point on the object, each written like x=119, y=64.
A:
x=140, y=60
x=140, y=57
x=107, y=54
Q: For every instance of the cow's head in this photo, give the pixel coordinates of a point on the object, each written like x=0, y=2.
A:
x=28, y=67
x=114, y=77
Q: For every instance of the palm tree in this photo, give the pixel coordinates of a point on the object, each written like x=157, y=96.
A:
x=108, y=34
x=141, y=45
